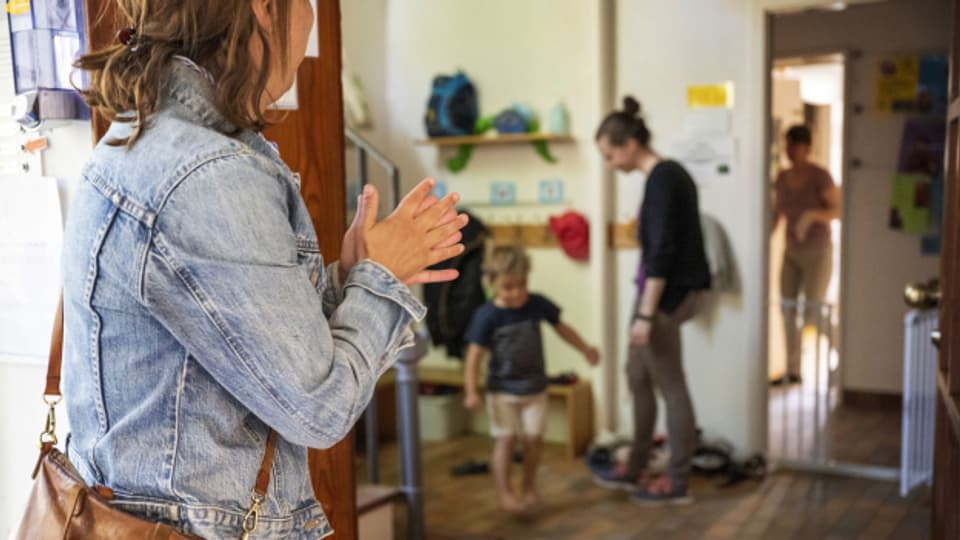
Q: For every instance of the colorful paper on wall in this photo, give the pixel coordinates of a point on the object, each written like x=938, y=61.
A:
x=921, y=147
x=710, y=96
x=930, y=245
x=910, y=203
x=911, y=83
x=18, y=7
x=934, y=76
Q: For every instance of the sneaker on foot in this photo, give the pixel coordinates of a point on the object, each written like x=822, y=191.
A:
x=663, y=491
x=615, y=477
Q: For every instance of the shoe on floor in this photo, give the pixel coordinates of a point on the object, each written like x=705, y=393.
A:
x=677, y=493
x=470, y=466
x=615, y=477
x=787, y=379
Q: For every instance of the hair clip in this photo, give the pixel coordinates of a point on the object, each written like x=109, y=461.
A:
x=127, y=36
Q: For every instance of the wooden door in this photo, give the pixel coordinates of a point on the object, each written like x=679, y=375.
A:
x=311, y=142
x=946, y=475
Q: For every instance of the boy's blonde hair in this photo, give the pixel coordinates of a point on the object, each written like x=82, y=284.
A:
x=501, y=260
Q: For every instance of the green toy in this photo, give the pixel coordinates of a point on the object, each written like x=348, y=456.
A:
x=459, y=162
x=533, y=126
x=484, y=124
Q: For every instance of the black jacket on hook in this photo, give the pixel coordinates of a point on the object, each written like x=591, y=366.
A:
x=451, y=305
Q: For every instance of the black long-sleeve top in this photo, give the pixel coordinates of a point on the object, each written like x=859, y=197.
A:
x=670, y=235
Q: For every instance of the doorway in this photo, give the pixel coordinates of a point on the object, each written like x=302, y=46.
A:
x=809, y=426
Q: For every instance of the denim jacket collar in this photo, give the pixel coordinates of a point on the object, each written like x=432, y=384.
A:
x=194, y=88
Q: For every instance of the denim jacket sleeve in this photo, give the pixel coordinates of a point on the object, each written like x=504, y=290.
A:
x=222, y=272
x=332, y=289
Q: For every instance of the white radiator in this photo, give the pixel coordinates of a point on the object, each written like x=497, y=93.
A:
x=919, y=399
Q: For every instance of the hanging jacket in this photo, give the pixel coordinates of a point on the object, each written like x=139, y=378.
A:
x=450, y=305
x=716, y=244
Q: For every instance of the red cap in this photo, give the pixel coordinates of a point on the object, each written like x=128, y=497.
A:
x=573, y=232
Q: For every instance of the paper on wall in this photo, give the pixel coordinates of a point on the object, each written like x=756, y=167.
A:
x=709, y=159
x=714, y=121
x=31, y=235
x=719, y=95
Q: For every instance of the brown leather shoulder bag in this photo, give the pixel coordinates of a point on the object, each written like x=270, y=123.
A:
x=63, y=507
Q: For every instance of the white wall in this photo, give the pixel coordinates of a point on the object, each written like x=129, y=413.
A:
x=538, y=52
x=22, y=379
x=874, y=309
x=662, y=48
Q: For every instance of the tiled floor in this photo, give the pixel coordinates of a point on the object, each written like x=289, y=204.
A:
x=784, y=506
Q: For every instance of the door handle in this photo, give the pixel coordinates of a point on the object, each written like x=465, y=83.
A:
x=935, y=338
x=922, y=295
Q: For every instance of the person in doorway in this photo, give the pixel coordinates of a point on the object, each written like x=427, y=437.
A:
x=807, y=198
x=673, y=271
x=203, y=332
x=508, y=328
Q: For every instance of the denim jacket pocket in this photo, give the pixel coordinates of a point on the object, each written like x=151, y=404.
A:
x=308, y=256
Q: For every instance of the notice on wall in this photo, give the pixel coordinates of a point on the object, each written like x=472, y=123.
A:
x=31, y=234
x=914, y=83
x=709, y=159
x=922, y=146
x=706, y=96
x=917, y=197
x=910, y=203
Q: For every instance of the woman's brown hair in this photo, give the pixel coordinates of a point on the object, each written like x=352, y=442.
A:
x=620, y=126
x=129, y=77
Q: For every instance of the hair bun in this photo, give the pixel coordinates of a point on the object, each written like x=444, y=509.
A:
x=631, y=106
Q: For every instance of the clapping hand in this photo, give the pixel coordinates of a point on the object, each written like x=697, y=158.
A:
x=419, y=233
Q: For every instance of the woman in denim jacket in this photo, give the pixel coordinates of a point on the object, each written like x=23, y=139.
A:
x=199, y=314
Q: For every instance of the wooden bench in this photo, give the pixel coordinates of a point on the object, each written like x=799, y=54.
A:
x=375, y=511
x=577, y=400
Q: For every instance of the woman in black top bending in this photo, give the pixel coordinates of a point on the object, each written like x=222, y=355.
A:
x=672, y=270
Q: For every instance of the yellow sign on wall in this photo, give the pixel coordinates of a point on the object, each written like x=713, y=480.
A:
x=703, y=96
x=897, y=79
x=18, y=7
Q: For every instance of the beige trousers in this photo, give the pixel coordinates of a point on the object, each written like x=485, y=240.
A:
x=805, y=270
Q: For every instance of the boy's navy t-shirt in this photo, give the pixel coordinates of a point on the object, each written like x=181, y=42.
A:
x=512, y=335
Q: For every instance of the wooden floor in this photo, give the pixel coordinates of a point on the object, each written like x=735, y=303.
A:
x=850, y=434
x=784, y=506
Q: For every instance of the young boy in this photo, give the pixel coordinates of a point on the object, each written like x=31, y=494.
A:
x=509, y=328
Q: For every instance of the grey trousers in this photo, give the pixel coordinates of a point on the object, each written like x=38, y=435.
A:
x=659, y=364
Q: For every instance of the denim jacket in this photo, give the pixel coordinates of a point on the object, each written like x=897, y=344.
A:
x=198, y=314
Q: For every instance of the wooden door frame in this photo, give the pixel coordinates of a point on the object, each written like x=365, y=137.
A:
x=311, y=142
x=846, y=57
x=945, y=515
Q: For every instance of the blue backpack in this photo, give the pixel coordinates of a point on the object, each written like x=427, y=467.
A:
x=452, y=109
